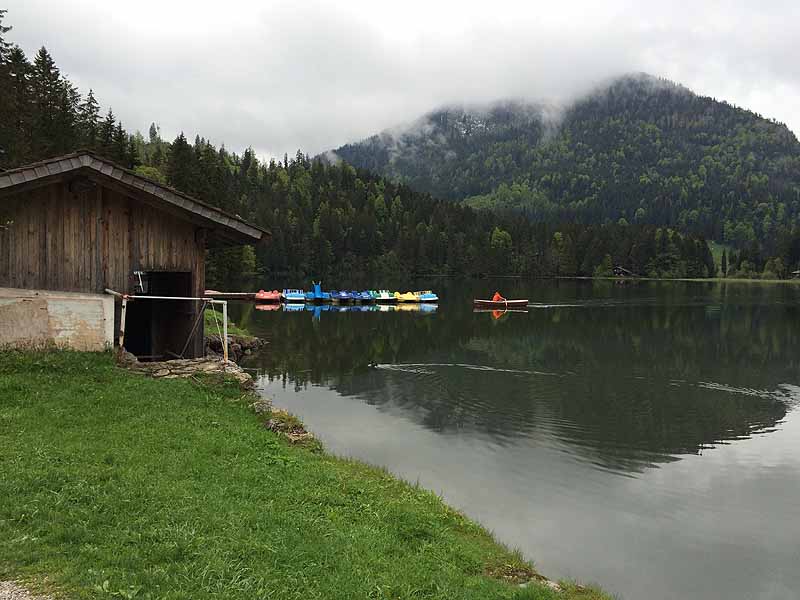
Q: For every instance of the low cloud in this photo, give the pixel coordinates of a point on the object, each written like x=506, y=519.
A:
x=283, y=76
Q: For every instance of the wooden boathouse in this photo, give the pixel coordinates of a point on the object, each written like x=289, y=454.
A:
x=80, y=224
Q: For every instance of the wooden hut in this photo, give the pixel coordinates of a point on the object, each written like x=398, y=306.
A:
x=82, y=224
x=620, y=271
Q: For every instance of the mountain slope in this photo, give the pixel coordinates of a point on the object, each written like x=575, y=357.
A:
x=641, y=149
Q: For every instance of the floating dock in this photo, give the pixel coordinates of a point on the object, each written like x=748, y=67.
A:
x=246, y=296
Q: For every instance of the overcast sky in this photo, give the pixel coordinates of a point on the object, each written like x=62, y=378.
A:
x=280, y=76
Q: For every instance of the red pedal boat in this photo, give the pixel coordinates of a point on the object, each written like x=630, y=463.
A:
x=500, y=304
x=273, y=296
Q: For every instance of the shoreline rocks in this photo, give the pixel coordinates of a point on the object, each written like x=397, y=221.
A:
x=187, y=367
x=238, y=346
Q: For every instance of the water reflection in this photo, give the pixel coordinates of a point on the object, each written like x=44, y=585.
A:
x=645, y=437
x=626, y=381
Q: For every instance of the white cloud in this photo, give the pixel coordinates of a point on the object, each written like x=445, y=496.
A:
x=283, y=75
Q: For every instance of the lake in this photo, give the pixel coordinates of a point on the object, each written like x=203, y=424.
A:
x=645, y=436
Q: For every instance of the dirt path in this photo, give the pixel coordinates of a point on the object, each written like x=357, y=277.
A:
x=11, y=591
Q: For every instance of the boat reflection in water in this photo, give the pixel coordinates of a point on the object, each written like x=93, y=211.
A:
x=316, y=310
x=294, y=307
x=267, y=307
x=498, y=314
x=421, y=308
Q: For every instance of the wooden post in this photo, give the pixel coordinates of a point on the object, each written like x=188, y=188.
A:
x=122, y=323
x=225, y=332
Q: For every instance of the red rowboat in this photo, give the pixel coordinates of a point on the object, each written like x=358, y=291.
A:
x=273, y=296
x=500, y=304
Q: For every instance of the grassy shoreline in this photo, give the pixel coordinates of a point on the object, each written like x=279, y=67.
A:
x=115, y=485
x=213, y=324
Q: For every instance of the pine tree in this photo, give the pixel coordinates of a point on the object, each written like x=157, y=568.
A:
x=154, y=133
x=120, y=144
x=180, y=165
x=6, y=99
x=17, y=115
x=65, y=138
x=47, y=100
x=724, y=263
x=89, y=121
x=132, y=159
x=106, y=135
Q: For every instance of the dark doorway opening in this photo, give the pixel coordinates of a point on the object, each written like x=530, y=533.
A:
x=159, y=329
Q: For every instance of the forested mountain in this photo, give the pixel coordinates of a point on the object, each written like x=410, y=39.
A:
x=336, y=221
x=326, y=220
x=640, y=150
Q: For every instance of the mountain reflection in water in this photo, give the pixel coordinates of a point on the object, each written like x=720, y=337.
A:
x=644, y=436
x=625, y=380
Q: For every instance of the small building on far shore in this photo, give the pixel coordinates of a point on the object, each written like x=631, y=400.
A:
x=620, y=271
x=73, y=226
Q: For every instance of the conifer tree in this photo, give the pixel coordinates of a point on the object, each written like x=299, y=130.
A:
x=106, y=135
x=47, y=100
x=180, y=167
x=89, y=121
x=17, y=115
x=6, y=98
x=120, y=144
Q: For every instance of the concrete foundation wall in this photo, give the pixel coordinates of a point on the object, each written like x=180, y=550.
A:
x=33, y=318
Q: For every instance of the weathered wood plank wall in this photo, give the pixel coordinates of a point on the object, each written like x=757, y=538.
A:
x=85, y=241
x=95, y=237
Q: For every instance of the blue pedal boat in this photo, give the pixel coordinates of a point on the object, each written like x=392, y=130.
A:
x=365, y=297
x=316, y=295
x=427, y=296
x=293, y=296
x=341, y=296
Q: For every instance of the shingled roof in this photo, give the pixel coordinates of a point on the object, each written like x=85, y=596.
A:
x=225, y=228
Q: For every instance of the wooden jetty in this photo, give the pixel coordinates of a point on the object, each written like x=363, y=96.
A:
x=244, y=296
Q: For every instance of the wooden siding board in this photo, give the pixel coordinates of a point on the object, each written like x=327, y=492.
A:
x=43, y=237
x=64, y=270
x=97, y=216
x=31, y=246
x=93, y=239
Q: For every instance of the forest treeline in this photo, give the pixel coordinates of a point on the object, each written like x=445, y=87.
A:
x=640, y=151
x=334, y=221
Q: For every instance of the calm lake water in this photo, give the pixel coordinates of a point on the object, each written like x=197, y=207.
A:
x=645, y=437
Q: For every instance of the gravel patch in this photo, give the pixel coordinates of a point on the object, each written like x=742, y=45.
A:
x=11, y=591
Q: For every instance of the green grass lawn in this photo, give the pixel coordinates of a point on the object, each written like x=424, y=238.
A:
x=114, y=485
